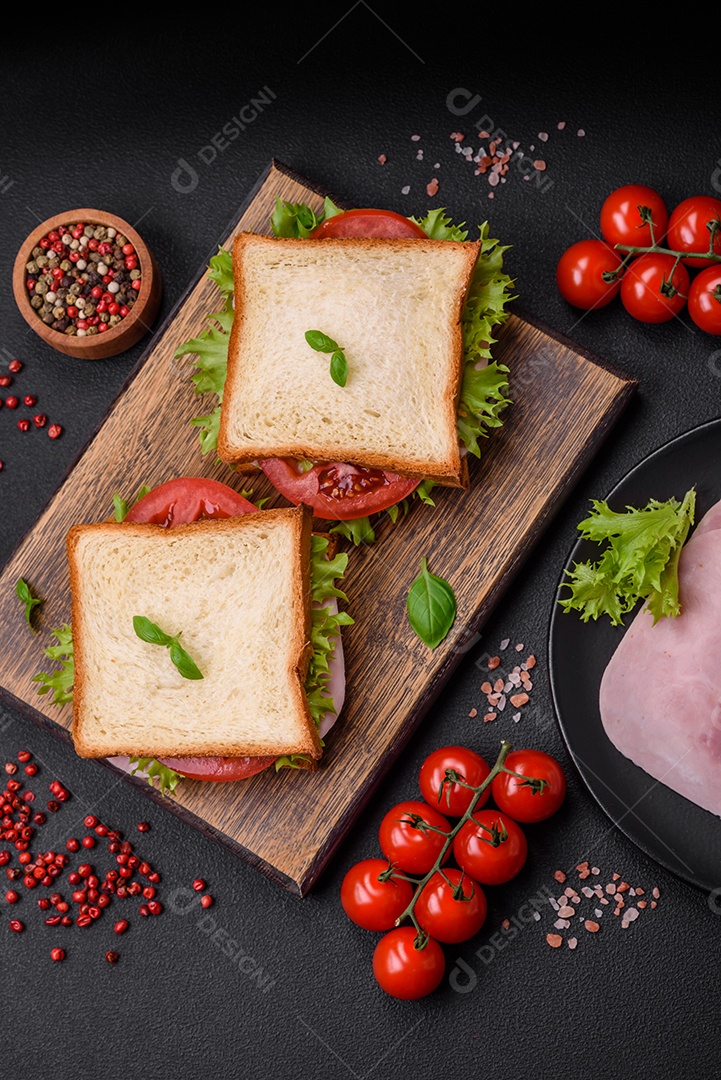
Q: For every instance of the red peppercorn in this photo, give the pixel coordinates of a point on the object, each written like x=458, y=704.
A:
x=17, y=926
x=83, y=920
x=206, y=901
x=10, y=768
x=143, y=826
x=29, y=881
x=40, y=420
x=30, y=400
x=4, y=858
x=15, y=366
x=102, y=327
x=124, y=310
x=101, y=830
x=149, y=892
x=112, y=957
x=55, y=431
x=12, y=402
x=155, y=907
x=24, y=425
x=45, y=243
x=137, y=284
x=154, y=877
x=57, y=954
x=74, y=878
x=53, y=236
x=94, y=912
x=66, y=920
x=5, y=380
x=12, y=897
x=101, y=307
x=85, y=870
x=90, y=821
x=144, y=868
x=30, y=284
x=88, y=841
x=53, y=920
x=43, y=903
x=39, y=818
x=62, y=906
x=73, y=844
x=144, y=910
x=121, y=926
x=93, y=244
x=198, y=884
x=53, y=806
x=103, y=900
x=79, y=896
x=25, y=858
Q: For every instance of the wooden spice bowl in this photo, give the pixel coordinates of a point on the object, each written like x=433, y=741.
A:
x=125, y=333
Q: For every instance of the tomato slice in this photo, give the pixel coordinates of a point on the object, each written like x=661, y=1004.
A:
x=384, y=224
x=337, y=491
x=176, y=503
x=218, y=768
x=189, y=499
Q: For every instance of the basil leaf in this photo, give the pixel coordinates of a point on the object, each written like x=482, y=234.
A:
x=25, y=597
x=339, y=368
x=320, y=341
x=431, y=607
x=148, y=631
x=184, y=663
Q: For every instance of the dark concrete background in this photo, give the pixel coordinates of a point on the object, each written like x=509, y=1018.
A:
x=107, y=127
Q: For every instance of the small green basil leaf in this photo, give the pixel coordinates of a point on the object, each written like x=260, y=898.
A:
x=148, y=631
x=339, y=368
x=184, y=663
x=26, y=597
x=320, y=341
x=431, y=607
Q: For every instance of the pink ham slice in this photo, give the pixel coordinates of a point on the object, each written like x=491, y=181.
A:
x=660, y=695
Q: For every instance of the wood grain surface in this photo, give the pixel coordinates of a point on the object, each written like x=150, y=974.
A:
x=288, y=824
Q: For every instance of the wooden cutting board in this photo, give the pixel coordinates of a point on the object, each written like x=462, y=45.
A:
x=289, y=824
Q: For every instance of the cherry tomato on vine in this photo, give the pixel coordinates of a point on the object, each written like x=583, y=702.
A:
x=407, y=842
x=687, y=229
x=704, y=300
x=644, y=285
x=405, y=971
x=580, y=270
x=491, y=847
x=621, y=221
x=451, y=913
x=440, y=792
x=370, y=898
x=524, y=800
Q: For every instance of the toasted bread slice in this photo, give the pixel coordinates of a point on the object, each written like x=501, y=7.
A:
x=239, y=591
x=394, y=306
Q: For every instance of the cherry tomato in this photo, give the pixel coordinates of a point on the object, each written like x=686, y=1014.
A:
x=407, y=842
x=580, y=270
x=337, y=491
x=642, y=285
x=178, y=502
x=405, y=971
x=189, y=499
x=370, y=898
x=524, y=800
x=451, y=913
x=379, y=223
x=491, y=847
x=704, y=300
x=621, y=221
x=687, y=229
x=440, y=792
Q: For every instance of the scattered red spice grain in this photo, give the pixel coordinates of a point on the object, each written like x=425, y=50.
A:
x=16, y=926
x=55, y=431
x=206, y=901
x=199, y=885
x=58, y=955
x=112, y=957
x=143, y=826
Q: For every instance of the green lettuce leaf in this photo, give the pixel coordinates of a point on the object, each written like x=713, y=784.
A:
x=60, y=681
x=357, y=530
x=639, y=561
x=168, y=778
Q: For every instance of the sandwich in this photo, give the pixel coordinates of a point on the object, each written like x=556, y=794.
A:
x=351, y=360
x=205, y=634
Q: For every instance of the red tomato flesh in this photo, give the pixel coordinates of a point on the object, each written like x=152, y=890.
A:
x=336, y=491
x=383, y=224
x=179, y=502
x=189, y=499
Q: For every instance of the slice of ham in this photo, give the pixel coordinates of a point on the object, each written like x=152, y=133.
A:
x=660, y=695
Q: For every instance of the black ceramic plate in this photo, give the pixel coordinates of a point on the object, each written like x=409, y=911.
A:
x=672, y=830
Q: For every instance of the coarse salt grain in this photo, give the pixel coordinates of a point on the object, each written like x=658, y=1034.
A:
x=494, y=662
x=561, y=125
x=591, y=926
x=559, y=876
x=572, y=942
x=415, y=138
x=580, y=133
x=516, y=717
x=520, y=647
x=554, y=940
x=382, y=159
x=473, y=713
x=406, y=189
